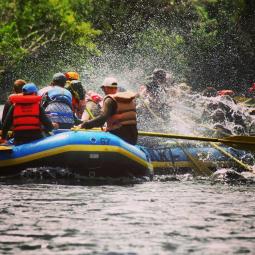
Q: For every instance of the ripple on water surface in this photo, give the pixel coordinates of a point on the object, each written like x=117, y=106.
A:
x=160, y=217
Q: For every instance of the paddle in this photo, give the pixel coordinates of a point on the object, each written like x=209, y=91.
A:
x=5, y=147
x=223, y=151
x=241, y=142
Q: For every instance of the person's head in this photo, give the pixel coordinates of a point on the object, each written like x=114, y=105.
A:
x=110, y=85
x=29, y=89
x=18, y=85
x=59, y=79
x=72, y=76
x=159, y=75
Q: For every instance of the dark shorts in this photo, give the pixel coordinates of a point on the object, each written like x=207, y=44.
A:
x=127, y=133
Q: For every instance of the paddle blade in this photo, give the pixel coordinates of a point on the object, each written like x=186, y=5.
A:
x=240, y=142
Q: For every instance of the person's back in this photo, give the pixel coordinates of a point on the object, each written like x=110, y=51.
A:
x=74, y=85
x=93, y=106
x=26, y=116
x=57, y=102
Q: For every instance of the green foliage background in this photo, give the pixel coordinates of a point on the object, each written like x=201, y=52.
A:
x=209, y=42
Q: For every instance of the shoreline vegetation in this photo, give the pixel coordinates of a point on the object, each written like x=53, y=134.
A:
x=209, y=42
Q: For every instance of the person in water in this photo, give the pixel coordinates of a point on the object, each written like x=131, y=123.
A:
x=57, y=102
x=73, y=84
x=17, y=89
x=119, y=112
x=26, y=116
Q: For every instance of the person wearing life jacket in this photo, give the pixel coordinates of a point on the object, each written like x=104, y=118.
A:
x=73, y=84
x=17, y=89
x=26, y=117
x=119, y=112
x=251, y=90
x=226, y=92
x=93, y=106
x=57, y=102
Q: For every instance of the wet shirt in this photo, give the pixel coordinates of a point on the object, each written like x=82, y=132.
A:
x=60, y=113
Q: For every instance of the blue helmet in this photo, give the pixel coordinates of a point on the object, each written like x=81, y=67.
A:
x=29, y=88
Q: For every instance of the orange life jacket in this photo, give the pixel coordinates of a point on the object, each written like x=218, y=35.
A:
x=26, y=112
x=126, y=110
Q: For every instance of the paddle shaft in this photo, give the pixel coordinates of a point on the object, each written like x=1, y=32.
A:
x=226, y=140
x=155, y=134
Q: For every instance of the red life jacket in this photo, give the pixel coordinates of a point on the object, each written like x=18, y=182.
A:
x=13, y=95
x=226, y=92
x=26, y=112
x=252, y=88
x=126, y=110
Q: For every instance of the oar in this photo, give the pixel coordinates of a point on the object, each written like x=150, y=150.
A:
x=5, y=147
x=199, y=166
x=242, y=142
x=229, y=155
x=239, y=162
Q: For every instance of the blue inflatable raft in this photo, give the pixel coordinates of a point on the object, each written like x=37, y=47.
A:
x=90, y=153
x=101, y=154
x=195, y=158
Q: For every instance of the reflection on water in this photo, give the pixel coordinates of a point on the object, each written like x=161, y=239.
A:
x=165, y=216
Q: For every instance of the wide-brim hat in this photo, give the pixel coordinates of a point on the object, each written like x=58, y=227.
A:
x=110, y=82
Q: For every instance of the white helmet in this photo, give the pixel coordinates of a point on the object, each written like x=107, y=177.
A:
x=110, y=82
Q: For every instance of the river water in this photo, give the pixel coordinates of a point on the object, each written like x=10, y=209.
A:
x=168, y=215
x=160, y=217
